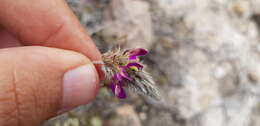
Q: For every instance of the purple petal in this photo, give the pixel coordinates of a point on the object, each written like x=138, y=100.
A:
x=118, y=77
x=119, y=92
x=132, y=57
x=134, y=64
x=112, y=86
x=137, y=52
x=124, y=74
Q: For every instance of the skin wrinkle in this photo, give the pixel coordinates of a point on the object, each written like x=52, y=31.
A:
x=5, y=98
x=43, y=20
x=17, y=104
x=59, y=29
x=10, y=119
x=35, y=77
x=35, y=101
x=45, y=100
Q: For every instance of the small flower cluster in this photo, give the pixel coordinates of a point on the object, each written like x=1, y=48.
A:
x=123, y=69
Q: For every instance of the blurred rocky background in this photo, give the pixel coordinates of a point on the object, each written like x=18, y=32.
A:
x=204, y=56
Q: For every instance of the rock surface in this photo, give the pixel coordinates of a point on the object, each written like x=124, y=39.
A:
x=130, y=19
x=125, y=116
x=205, y=57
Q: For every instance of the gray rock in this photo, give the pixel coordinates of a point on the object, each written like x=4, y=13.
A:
x=130, y=19
x=204, y=57
x=125, y=116
x=215, y=60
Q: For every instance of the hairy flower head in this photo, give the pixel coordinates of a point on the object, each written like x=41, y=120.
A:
x=123, y=69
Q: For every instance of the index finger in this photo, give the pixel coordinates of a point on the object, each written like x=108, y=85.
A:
x=46, y=23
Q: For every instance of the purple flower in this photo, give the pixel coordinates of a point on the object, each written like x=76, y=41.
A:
x=118, y=77
x=123, y=69
x=133, y=54
x=134, y=64
x=118, y=90
x=122, y=74
x=117, y=87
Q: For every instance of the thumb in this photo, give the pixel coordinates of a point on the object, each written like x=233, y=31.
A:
x=36, y=83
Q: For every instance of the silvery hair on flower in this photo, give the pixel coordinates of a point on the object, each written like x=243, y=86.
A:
x=123, y=69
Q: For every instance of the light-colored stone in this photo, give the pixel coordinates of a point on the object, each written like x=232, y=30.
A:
x=207, y=54
x=125, y=116
x=214, y=62
x=130, y=19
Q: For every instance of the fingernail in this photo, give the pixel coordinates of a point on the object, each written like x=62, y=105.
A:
x=79, y=87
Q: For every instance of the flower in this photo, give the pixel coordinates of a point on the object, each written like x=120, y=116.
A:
x=123, y=69
x=117, y=88
x=134, y=66
x=125, y=63
x=133, y=54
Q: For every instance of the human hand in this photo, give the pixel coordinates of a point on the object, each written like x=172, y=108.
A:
x=38, y=81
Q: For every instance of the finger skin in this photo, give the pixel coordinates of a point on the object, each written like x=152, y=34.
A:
x=7, y=40
x=31, y=83
x=46, y=23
